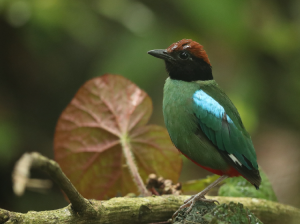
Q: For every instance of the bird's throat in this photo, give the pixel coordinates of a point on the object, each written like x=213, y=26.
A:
x=189, y=74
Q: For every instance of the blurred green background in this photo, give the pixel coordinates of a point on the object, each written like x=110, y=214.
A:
x=49, y=48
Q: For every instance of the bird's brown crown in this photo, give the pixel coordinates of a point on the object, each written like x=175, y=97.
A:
x=193, y=47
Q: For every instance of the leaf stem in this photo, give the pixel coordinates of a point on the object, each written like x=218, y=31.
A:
x=132, y=166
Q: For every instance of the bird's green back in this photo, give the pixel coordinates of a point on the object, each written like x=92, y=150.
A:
x=201, y=134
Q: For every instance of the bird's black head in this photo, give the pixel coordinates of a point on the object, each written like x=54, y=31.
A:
x=185, y=60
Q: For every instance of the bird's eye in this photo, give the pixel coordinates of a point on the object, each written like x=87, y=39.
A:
x=183, y=55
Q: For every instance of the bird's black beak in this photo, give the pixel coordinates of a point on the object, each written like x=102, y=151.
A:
x=161, y=53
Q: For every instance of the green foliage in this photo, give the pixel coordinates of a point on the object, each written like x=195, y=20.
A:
x=240, y=187
x=231, y=213
x=210, y=213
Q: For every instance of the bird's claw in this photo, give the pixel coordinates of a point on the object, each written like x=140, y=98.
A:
x=181, y=207
x=210, y=200
x=193, y=197
x=187, y=200
x=191, y=202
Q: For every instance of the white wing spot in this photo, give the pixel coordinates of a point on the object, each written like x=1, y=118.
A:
x=234, y=159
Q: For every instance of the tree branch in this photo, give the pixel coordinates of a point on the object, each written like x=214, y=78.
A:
x=124, y=210
x=150, y=210
x=37, y=161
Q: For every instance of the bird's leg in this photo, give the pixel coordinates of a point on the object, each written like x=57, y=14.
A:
x=207, y=189
x=200, y=196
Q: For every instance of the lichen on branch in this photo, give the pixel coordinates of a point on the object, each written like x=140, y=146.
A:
x=130, y=210
x=142, y=210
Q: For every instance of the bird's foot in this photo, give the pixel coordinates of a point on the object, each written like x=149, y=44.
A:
x=191, y=202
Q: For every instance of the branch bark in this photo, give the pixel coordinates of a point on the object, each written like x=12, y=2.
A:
x=128, y=210
x=37, y=161
x=149, y=210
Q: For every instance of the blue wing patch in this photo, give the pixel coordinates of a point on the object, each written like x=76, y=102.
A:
x=221, y=130
x=209, y=105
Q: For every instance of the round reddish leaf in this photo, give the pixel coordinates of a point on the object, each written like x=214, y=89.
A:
x=102, y=142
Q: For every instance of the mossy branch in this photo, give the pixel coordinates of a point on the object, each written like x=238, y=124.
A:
x=148, y=210
x=130, y=210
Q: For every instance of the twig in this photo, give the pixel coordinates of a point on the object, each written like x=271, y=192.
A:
x=37, y=161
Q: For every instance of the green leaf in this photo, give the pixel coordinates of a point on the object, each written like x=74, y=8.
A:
x=102, y=142
x=240, y=187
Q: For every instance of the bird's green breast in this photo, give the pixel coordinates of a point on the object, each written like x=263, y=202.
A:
x=183, y=127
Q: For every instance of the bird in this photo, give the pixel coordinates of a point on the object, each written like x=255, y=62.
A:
x=202, y=122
